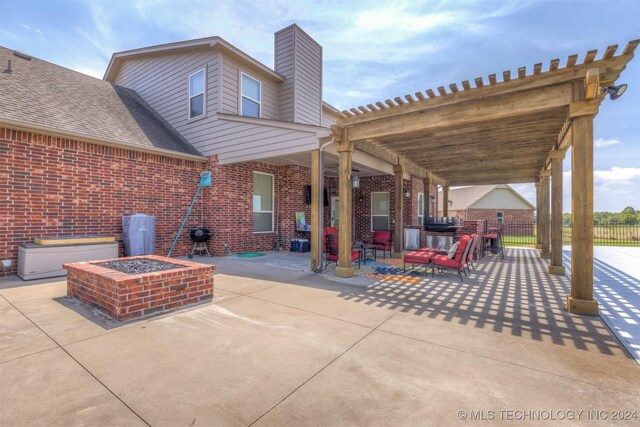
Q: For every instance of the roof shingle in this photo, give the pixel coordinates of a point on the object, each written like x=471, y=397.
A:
x=39, y=93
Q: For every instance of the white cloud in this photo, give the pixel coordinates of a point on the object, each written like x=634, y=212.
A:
x=28, y=27
x=601, y=142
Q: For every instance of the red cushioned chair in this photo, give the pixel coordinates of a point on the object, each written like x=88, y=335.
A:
x=472, y=249
x=422, y=256
x=332, y=254
x=383, y=240
x=458, y=261
x=325, y=232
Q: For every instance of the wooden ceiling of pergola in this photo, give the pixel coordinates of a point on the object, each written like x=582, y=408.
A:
x=500, y=132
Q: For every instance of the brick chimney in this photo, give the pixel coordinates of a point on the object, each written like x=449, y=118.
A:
x=299, y=59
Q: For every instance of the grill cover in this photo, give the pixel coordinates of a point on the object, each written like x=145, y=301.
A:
x=139, y=234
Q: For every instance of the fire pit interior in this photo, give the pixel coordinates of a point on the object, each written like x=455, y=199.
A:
x=128, y=288
x=139, y=265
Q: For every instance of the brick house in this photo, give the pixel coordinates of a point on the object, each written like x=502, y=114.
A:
x=493, y=203
x=79, y=152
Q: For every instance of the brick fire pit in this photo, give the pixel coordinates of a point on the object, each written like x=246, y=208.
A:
x=124, y=296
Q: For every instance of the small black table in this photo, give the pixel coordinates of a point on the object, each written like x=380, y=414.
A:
x=365, y=249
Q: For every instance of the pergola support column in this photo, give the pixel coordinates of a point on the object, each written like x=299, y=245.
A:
x=544, y=215
x=581, y=299
x=445, y=200
x=538, y=208
x=316, y=212
x=345, y=154
x=556, y=266
x=436, y=209
x=398, y=235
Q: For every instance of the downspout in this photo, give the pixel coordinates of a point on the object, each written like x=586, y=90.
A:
x=320, y=212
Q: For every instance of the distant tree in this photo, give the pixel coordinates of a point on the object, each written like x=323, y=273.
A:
x=629, y=210
x=566, y=219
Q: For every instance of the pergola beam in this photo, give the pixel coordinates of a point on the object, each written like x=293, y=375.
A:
x=483, y=110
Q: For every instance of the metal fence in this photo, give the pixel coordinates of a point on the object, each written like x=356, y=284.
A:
x=523, y=233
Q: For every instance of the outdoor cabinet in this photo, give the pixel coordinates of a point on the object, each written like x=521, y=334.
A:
x=139, y=235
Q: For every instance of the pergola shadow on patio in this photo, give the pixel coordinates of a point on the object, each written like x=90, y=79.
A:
x=511, y=131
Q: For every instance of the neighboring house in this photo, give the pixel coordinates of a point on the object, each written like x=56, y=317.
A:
x=494, y=203
x=79, y=152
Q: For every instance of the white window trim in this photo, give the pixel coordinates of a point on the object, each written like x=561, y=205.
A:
x=273, y=202
x=248, y=97
x=421, y=214
x=388, y=215
x=501, y=221
x=204, y=95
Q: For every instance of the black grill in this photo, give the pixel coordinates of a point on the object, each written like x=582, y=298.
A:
x=199, y=235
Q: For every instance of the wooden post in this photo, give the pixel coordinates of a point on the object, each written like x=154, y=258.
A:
x=316, y=220
x=544, y=215
x=427, y=202
x=436, y=208
x=398, y=224
x=445, y=200
x=581, y=299
x=538, y=204
x=345, y=153
x=556, y=266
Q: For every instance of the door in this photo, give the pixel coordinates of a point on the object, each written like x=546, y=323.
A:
x=335, y=212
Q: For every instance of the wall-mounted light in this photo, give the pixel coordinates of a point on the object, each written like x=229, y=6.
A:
x=432, y=198
x=407, y=192
x=355, y=180
x=450, y=202
x=615, y=92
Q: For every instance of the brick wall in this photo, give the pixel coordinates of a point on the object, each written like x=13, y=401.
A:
x=362, y=202
x=228, y=213
x=510, y=215
x=52, y=186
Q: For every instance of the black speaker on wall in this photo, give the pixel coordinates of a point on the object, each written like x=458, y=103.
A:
x=307, y=196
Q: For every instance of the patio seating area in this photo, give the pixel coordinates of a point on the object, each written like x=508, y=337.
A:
x=285, y=346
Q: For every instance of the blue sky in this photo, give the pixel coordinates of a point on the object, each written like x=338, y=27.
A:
x=372, y=50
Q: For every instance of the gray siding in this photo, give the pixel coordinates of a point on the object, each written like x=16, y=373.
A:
x=327, y=119
x=500, y=198
x=299, y=59
x=230, y=100
x=163, y=82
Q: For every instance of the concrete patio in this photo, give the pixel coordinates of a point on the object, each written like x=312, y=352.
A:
x=283, y=346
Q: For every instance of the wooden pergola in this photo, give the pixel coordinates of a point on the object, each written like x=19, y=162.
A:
x=512, y=131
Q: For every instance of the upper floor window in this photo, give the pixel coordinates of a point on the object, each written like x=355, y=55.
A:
x=251, y=91
x=196, y=94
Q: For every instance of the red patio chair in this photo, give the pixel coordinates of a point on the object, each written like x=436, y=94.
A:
x=325, y=232
x=332, y=254
x=494, y=234
x=383, y=241
x=457, y=262
x=472, y=248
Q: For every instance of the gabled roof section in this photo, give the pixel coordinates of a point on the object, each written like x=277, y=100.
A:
x=465, y=197
x=214, y=42
x=40, y=96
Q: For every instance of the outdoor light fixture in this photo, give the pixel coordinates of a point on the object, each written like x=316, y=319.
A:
x=355, y=180
x=432, y=198
x=615, y=92
x=407, y=192
x=450, y=202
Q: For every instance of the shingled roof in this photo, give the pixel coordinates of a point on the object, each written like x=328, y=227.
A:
x=39, y=95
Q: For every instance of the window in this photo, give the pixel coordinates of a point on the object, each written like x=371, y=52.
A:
x=379, y=211
x=196, y=95
x=420, y=208
x=262, y=202
x=499, y=217
x=251, y=90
